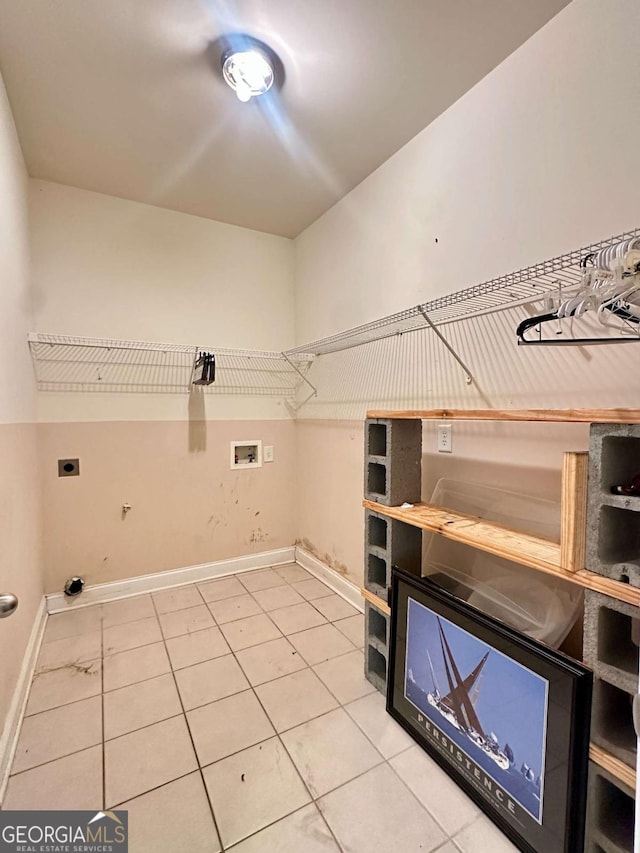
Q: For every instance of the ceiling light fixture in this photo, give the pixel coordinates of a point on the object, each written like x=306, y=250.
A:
x=248, y=69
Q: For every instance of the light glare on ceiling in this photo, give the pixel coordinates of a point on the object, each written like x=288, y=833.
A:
x=248, y=72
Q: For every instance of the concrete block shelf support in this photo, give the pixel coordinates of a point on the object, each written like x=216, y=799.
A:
x=393, y=456
x=610, y=813
x=376, y=647
x=613, y=520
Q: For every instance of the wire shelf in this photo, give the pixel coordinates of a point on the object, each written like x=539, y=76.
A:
x=68, y=363
x=526, y=285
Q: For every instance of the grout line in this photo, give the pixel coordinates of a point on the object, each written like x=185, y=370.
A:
x=193, y=746
x=155, y=788
x=104, y=761
x=142, y=728
x=51, y=760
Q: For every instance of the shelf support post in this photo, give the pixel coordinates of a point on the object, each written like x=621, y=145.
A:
x=469, y=375
x=573, y=510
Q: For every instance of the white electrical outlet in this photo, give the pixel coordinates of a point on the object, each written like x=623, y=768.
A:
x=444, y=438
x=267, y=453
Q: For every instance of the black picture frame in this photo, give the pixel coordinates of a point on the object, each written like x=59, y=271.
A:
x=527, y=706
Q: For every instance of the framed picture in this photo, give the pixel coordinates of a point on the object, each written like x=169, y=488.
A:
x=505, y=716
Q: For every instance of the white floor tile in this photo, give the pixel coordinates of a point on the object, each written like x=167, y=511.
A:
x=63, y=686
x=135, y=665
x=209, y=681
x=73, y=622
x=73, y=782
x=140, y=761
x=293, y=573
x=175, y=817
x=278, y=596
x=435, y=789
x=353, y=629
x=59, y=732
x=253, y=581
x=295, y=699
x=298, y=617
x=329, y=751
x=321, y=643
x=482, y=835
x=252, y=789
x=139, y=705
x=370, y=715
x=195, y=648
x=311, y=589
x=176, y=599
x=218, y=590
x=120, y=638
x=334, y=607
x=127, y=610
x=269, y=661
x=303, y=831
x=230, y=609
x=70, y=650
x=344, y=676
x=178, y=622
x=376, y=812
x=227, y=726
x=250, y=631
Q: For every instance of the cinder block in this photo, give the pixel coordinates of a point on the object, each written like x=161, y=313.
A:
x=376, y=645
x=393, y=461
x=377, y=572
x=613, y=521
x=611, y=630
x=610, y=813
x=612, y=722
x=389, y=543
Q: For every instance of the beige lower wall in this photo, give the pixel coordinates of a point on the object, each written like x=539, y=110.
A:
x=524, y=458
x=188, y=506
x=330, y=518
x=20, y=554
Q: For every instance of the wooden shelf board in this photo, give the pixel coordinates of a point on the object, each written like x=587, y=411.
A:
x=522, y=548
x=620, y=416
x=377, y=602
x=613, y=765
x=479, y=533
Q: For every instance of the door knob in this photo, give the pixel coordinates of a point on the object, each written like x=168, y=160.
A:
x=8, y=604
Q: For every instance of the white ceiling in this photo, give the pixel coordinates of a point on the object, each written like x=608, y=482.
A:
x=124, y=96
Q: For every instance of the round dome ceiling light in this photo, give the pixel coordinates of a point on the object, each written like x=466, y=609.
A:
x=248, y=70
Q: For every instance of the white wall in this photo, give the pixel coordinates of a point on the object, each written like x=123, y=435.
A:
x=110, y=268
x=20, y=566
x=539, y=158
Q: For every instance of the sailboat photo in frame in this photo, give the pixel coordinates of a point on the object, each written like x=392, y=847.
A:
x=507, y=717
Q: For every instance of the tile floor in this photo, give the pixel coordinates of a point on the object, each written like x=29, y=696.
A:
x=232, y=715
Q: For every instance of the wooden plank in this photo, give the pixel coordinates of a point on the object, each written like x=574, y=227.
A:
x=617, y=768
x=620, y=416
x=486, y=535
x=377, y=602
x=540, y=554
x=573, y=526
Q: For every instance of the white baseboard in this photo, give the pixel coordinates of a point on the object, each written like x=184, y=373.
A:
x=59, y=602
x=338, y=584
x=9, y=739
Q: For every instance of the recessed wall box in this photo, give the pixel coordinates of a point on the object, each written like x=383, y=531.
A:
x=246, y=454
x=68, y=467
